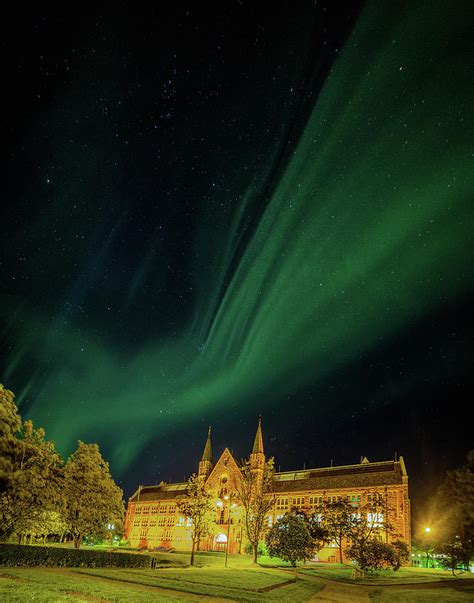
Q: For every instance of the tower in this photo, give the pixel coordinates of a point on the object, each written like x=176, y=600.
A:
x=205, y=464
x=257, y=457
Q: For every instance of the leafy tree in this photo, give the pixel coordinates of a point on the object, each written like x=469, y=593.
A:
x=401, y=554
x=32, y=473
x=335, y=520
x=42, y=524
x=369, y=525
x=318, y=533
x=93, y=500
x=290, y=539
x=428, y=544
x=458, y=517
x=452, y=555
x=373, y=554
x=256, y=498
x=197, y=506
x=10, y=425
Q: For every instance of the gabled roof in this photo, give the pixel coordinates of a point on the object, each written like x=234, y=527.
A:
x=226, y=462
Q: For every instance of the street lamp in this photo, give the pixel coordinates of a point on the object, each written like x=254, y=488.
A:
x=231, y=505
x=427, y=546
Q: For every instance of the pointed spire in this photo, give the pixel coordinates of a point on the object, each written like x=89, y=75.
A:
x=207, y=454
x=258, y=442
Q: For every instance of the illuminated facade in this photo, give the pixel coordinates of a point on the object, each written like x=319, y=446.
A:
x=153, y=519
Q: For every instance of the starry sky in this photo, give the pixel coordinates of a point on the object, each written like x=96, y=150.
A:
x=211, y=214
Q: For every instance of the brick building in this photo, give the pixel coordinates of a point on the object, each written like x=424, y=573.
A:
x=153, y=519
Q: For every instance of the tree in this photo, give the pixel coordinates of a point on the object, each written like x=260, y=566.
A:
x=290, y=540
x=93, y=500
x=452, y=555
x=336, y=520
x=401, y=554
x=369, y=524
x=458, y=516
x=42, y=525
x=196, y=506
x=257, y=500
x=10, y=425
x=32, y=471
x=373, y=554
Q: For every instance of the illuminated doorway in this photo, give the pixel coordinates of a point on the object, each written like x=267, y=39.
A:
x=220, y=542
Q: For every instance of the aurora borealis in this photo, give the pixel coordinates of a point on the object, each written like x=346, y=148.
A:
x=212, y=218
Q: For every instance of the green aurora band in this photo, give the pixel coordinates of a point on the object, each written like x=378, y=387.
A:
x=366, y=231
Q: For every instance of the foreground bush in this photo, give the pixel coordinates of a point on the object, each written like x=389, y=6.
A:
x=31, y=556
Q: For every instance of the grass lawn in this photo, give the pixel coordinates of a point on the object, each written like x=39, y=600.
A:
x=427, y=595
x=21, y=584
x=406, y=575
x=190, y=584
x=210, y=581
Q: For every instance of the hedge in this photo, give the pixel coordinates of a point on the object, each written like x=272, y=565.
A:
x=21, y=555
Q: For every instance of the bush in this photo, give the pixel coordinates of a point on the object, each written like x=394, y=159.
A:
x=18, y=555
x=372, y=555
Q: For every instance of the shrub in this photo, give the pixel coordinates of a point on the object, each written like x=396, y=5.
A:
x=372, y=555
x=31, y=556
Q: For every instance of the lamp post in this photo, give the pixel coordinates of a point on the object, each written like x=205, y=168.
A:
x=228, y=498
x=427, y=546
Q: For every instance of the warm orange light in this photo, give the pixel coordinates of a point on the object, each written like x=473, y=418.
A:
x=427, y=530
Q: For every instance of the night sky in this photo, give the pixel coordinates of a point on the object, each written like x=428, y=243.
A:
x=211, y=214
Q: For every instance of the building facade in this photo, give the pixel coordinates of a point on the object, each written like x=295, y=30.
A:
x=153, y=519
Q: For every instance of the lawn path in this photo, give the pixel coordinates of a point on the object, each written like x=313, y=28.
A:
x=171, y=592
x=339, y=592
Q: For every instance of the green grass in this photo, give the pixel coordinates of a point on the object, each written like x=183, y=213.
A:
x=428, y=595
x=245, y=583
x=21, y=584
x=406, y=575
x=47, y=587
x=242, y=585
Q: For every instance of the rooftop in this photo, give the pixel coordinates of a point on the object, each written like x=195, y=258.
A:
x=362, y=475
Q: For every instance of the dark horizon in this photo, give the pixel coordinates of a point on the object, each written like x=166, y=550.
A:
x=208, y=217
